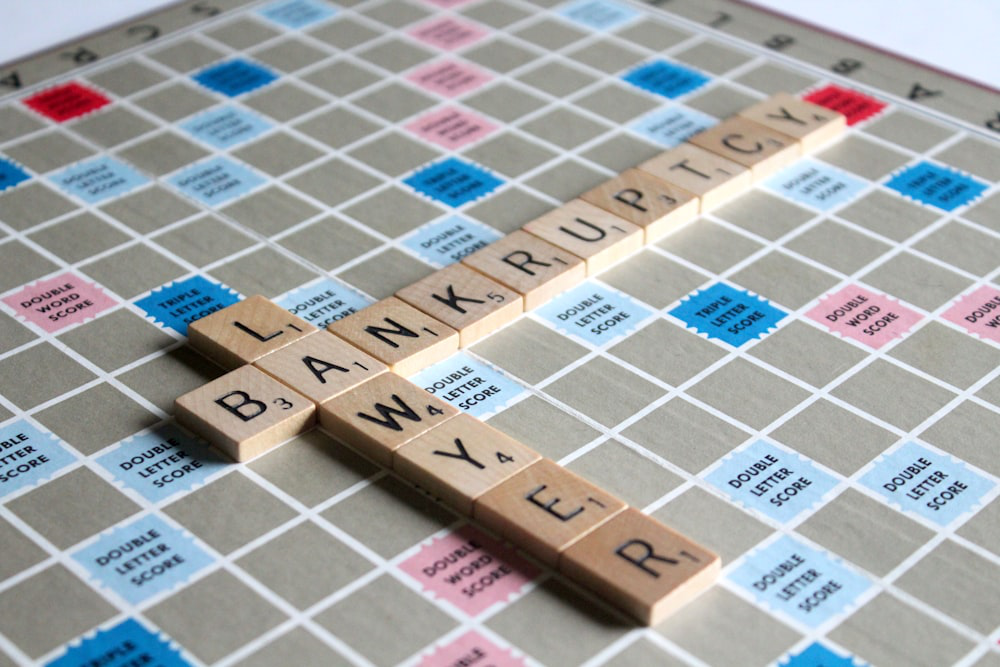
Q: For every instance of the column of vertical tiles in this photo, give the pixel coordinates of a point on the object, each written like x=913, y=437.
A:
x=544, y=509
x=461, y=459
x=381, y=415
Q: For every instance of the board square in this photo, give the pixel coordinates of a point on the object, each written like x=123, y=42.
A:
x=449, y=78
x=816, y=184
x=937, y=487
x=448, y=34
x=850, y=523
x=595, y=313
x=157, y=557
x=672, y=125
x=941, y=187
x=297, y=14
x=449, y=240
x=216, y=181
x=129, y=640
x=226, y=127
x=98, y=179
x=453, y=182
x=30, y=455
x=11, y=174
x=240, y=614
x=666, y=79
x=56, y=303
x=782, y=575
x=471, y=643
x=728, y=314
x=235, y=77
x=769, y=480
x=71, y=607
x=441, y=567
x=60, y=510
x=599, y=14
x=978, y=312
x=854, y=105
x=178, y=304
x=451, y=127
x=66, y=101
x=322, y=563
x=862, y=315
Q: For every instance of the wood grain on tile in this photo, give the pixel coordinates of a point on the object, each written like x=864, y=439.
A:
x=465, y=300
x=811, y=124
x=383, y=414
x=321, y=366
x=535, y=269
x=461, y=460
x=245, y=412
x=655, y=205
x=598, y=237
x=396, y=333
x=713, y=178
x=760, y=149
x=246, y=331
x=545, y=508
x=640, y=565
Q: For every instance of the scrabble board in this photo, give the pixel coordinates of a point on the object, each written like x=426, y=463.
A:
x=803, y=379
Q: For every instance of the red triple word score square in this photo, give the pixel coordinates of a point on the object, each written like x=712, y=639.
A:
x=856, y=106
x=70, y=100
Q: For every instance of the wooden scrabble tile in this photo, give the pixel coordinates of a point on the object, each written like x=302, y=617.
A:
x=383, y=414
x=544, y=509
x=591, y=233
x=759, y=148
x=461, y=460
x=533, y=268
x=713, y=178
x=811, y=124
x=246, y=331
x=465, y=300
x=392, y=331
x=245, y=412
x=640, y=565
x=321, y=366
x=653, y=204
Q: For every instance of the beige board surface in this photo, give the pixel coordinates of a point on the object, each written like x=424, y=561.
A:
x=462, y=459
x=811, y=124
x=760, y=149
x=535, y=269
x=245, y=412
x=713, y=178
x=321, y=366
x=465, y=300
x=595, y=235
x=383, y=414
x=246, y=331
x=396, y=333
x=636, y=563
x=655, y=205
x=545, y=508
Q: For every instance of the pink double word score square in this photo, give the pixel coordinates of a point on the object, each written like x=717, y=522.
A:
x=872, y=319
